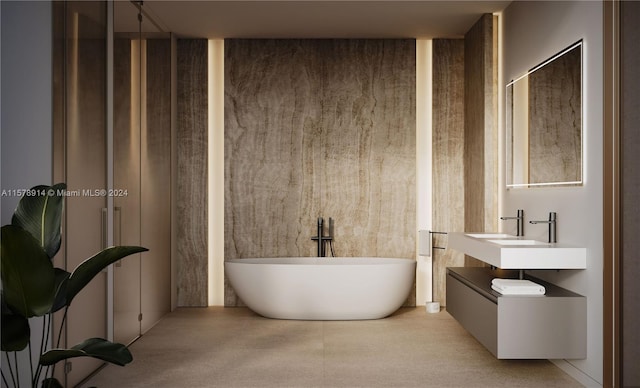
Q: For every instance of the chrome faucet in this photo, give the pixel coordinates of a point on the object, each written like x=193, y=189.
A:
x=519, y=222
x=321, y=238
x=552, y=226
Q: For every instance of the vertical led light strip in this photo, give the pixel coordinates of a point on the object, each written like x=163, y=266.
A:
x=216, y=172
x=500, y=90
x=72, y=115
x=133, y=153
x=174, y=170
x=423, y=164
x=109, y=119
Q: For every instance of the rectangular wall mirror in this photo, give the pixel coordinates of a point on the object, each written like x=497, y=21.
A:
x=544, y=123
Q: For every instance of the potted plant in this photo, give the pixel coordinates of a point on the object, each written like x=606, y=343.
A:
x=32, y=287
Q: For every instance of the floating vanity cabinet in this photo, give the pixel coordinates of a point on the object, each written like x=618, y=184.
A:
x=550, y=326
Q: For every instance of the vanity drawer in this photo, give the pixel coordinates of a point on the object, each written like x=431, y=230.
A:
x=476, y=313
x=550, y=326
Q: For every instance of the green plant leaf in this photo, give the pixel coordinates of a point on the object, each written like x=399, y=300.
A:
x=27, y=273
x=51, y=383
x=15, y=330
x=41, y=214
x=60, y=300
x=102, y=349
x=89, y=268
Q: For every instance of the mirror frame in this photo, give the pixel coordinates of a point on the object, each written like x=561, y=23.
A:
x=509, y=128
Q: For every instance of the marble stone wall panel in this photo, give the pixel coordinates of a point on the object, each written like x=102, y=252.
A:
x=448, y=155
x=191, y=222
x=272, y=95
x=480, y=129
x=272, y=149
x=368, y=116
x=319, y=128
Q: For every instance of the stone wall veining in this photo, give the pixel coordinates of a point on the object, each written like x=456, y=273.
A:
x=448, y=155
x=480, y=129
x=464, y=142
x=191, y=215
x=319, y=128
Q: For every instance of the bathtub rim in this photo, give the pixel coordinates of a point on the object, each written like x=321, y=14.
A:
x=312, y=260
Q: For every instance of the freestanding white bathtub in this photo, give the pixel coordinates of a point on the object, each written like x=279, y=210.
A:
x=327, y=288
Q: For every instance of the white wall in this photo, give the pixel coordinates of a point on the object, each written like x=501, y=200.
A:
x=534, y=31
x=25, y=134
x=26, y=108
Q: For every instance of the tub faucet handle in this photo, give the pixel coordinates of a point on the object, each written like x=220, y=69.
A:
x=322, y=239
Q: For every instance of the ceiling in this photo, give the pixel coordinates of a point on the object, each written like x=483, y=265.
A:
x=305, y=19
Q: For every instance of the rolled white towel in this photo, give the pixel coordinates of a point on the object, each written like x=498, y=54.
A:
x=517, y=287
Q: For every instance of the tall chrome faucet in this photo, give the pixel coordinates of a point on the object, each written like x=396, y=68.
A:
x=519, y=222
x=552, y=226
x=321, y=238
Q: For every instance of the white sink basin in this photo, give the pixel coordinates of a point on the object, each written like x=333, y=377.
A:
x=510, y=252
x=517, y=242
x=489, y=235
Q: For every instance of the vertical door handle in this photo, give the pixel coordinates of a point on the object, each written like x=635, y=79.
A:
x=117, y=211
x=103, y=219
x=103, y=230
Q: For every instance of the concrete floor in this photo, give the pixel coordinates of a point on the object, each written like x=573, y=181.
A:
x=233, y=347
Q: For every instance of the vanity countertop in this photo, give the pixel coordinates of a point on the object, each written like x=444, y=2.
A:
x=510, y=252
